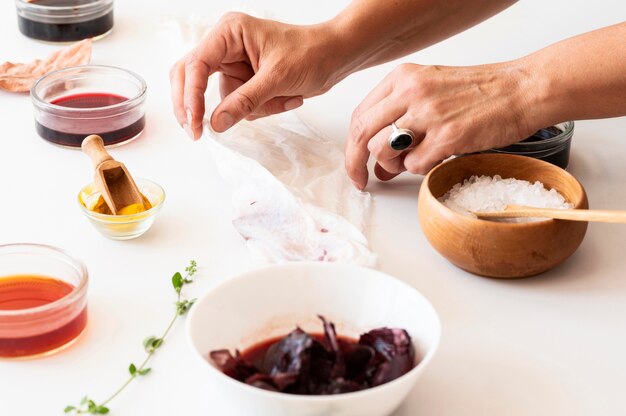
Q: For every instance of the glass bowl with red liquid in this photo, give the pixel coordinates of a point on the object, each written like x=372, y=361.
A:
x=72, y=103
x=43, y=300
x=64, y=20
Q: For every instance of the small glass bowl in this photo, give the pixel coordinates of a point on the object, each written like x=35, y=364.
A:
x=61, y=21
x=45, y=329
x=123, y=227
x=554, y=149
x=73, y=103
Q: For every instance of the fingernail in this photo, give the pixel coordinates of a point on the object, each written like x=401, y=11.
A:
x=188, y=131
x=293, y=103
x=356, y=185
x=189, y=118
x=224, y=121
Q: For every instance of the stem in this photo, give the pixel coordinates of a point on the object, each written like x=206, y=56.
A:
x=143, y=364
x=145, y=361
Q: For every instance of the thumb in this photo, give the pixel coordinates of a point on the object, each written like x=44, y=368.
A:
x=242, y=102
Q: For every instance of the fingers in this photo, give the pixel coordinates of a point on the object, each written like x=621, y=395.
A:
x=427, y=155
x=177, y=81
x=234, y=77
x=380, y=92
x=363, y=127
x=243, y=101
x=196, y=80
x=197, y=67
x=275, y=106
x=391, y=160
x=382, y=174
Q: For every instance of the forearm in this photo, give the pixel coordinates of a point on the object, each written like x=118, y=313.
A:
x=371, y=32
x=579, y=78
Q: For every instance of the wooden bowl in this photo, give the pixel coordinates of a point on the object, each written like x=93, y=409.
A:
x=496, y=249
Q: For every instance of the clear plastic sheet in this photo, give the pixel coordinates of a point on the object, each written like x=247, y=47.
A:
x=292, y=198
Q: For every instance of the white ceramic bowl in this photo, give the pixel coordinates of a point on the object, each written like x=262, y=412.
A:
x=271, y=301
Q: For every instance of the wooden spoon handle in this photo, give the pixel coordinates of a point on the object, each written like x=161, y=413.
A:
x=93, y=146
x=588, y=215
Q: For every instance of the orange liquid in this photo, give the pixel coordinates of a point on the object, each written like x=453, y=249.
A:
x=24, y=292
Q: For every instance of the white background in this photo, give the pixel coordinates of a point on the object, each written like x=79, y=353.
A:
x=553, y=344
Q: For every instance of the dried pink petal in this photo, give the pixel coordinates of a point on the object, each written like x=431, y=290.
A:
x=16, y=77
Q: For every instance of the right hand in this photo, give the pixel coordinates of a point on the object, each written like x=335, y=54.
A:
x=451, y=110
x=266, y=67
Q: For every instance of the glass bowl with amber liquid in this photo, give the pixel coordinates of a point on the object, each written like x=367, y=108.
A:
x=43, y=300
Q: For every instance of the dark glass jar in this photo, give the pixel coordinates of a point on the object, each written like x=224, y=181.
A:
x=64, y=20
x=551, y=144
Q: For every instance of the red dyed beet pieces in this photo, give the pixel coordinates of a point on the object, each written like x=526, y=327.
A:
x=301, y=363
x=394, y=353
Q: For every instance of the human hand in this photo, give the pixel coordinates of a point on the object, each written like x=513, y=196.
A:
x=451, y=110
x=266, y=68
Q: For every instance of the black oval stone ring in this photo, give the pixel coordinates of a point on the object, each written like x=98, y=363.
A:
x=400, y=139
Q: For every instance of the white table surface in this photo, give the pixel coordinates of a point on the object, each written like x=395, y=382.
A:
x=553, y=344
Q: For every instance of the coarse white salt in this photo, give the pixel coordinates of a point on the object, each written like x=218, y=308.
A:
x=484, y=193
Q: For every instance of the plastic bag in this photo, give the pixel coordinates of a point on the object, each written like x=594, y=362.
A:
x=292, y=198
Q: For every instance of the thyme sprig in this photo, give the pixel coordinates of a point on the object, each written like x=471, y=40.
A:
x=150, y=345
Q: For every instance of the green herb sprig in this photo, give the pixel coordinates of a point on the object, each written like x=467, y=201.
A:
x=150, y=344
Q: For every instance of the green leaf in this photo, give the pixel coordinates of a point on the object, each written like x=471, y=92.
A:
x=177, y=281
x=92, y=407
x=148, y=343
x=192, y=268
x=182, y=307
x=152, y=343
x=144, y=371
x=132, y=369
x=84, y=400
x=69, y=409
x=102, y=410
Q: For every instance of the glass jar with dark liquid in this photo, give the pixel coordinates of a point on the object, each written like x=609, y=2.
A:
x=64, y=20
x=551, y=144
x=73, y=103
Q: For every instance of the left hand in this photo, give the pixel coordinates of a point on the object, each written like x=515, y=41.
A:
x=451, y=110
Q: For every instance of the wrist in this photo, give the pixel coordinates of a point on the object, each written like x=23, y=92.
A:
x=333, y=49
x=542, y=98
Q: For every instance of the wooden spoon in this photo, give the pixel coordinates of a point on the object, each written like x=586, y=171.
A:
x=588, y=215
x=112, y=179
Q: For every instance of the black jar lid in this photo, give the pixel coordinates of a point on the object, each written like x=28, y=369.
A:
x=551, y=144
x=540, y=142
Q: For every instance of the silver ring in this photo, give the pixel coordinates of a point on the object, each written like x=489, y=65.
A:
x=400, y=139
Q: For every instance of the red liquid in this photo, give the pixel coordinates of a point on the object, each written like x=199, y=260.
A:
x=89, y=100
x=71, y=132
x=256, y=353
x=24, y=292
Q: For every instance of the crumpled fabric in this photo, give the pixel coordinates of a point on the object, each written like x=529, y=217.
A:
x=292, y=198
